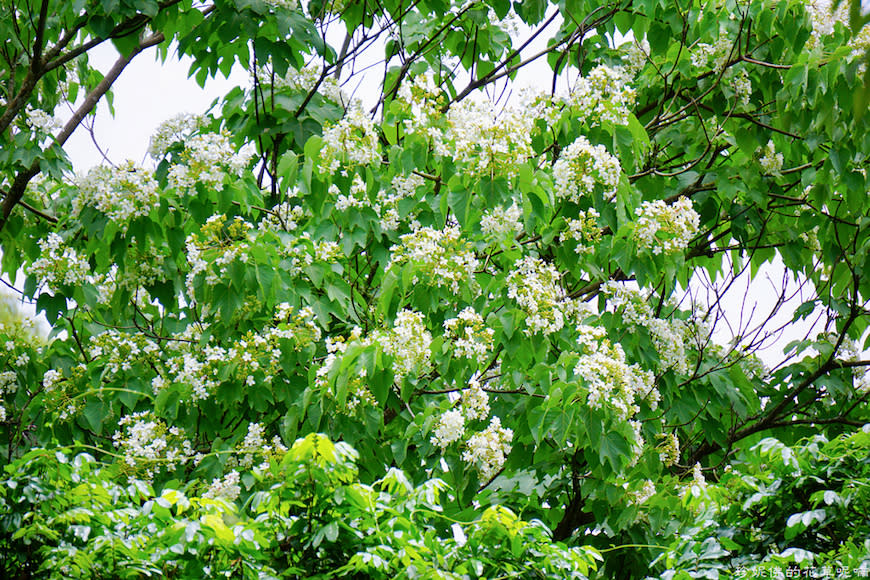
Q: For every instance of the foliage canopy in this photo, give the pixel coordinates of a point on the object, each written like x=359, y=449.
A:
x=454, y=329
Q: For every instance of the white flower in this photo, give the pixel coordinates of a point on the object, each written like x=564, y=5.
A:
x=502, y=224
x=770, y=160
x=451, y=427
x=439, y=257
x=534, y=285
x=58, y=265
x=666, y=228
x=583, y=166
x=487, y=450
x=121, y=193
x=226, y=487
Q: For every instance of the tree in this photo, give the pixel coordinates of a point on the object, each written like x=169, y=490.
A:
x=506, y=306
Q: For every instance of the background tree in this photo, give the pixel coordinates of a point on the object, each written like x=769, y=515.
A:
x=506, y=304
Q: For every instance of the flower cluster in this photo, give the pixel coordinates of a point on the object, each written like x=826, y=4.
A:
x=470, y=336
x=58, y=265
x=584, y=230
x=450, y=428
x=218, y=245
x=488, y=449
x=485, y=450
x=669, y=449
x=386, y=201
x=283, y=217
x=487, y=141
x=302, y=251
x=208, y=158
x=602, y=95
x=825, y=22
x=637, y=54
x=609, y=379
x=742, y=86
x=713, y=56
x=149, y=446
x=534, y=285
x=583, y=166
x=175, y=130
x=255, y=357
x=118, y=351
x=40, y=121
x=351, y=141
x=226, y=487
x=419, y=100
x=121, y=193
x=770, y=160
x=638, y=497
x=254, y=447
x=502, y=225
x=304, y=80
x=8, y=385
x=408, y=343
x=664, y=228
x=669, y=336
x=357, y=389
x=438, y=257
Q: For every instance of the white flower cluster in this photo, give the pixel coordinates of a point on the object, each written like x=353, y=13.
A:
x=254, y=447
x=702, y=53
x=669, y=335
x=118, y=351
x=438, y=257
x=644, y=493
x=825, y=20
x=487, y=141
x=385, y=202
x=488, y=449
x=217, y=245
x=8, y=386
x=121, y=193
x=357, y=390
x=304, y=81
x=226, y=487
x=485, y=450
x=419, y=98
x=283, y=217
x=209, y=158
x=175, y=130
x=664, y=228
x=302, y=251
x=742, y=86
x=584, y=230
x=40, y=121
x=602, y=95
x=669, y=449
x=610, y=381
x=408, y=343
x=351, y=141
x=637, y=54
x=254, y=357
x=474, y=400
x=580, y=167
x=58, y=265
x=502, y=224
x=770, y=160
x=149, y=446
x=470, y=337
x=534, y=285
x=450, y=428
